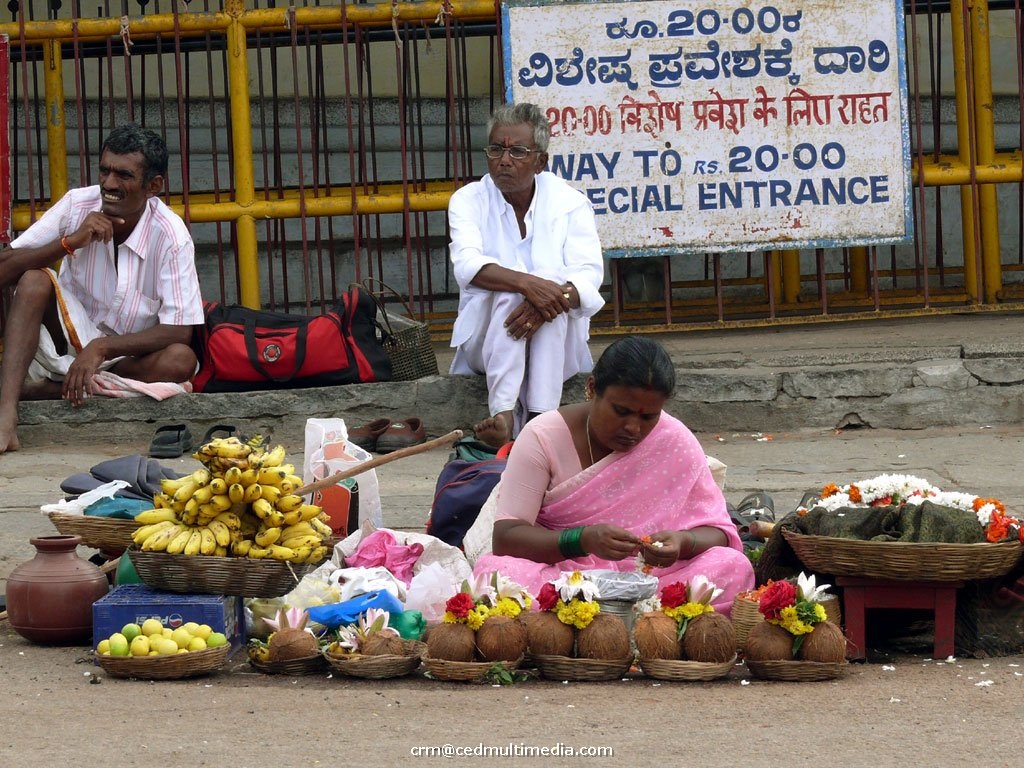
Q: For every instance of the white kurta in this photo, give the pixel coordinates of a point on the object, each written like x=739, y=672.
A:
x=562, y=245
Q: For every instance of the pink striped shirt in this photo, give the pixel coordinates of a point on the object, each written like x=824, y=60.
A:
x=154, y=279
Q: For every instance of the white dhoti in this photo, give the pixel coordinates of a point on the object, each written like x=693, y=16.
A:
x=530, y=373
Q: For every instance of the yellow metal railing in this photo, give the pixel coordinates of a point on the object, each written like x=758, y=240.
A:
x=976, y=168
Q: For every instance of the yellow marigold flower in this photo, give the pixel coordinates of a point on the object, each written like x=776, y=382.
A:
x=819, y=611
x=578, y=613
x=506, y=607
x=692, y=610
x=476, y=617
x=451, y=618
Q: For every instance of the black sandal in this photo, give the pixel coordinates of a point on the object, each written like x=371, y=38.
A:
x=756, y=506
x=170, y=441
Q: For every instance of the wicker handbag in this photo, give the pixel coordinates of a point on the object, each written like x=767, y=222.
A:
x=407, y=341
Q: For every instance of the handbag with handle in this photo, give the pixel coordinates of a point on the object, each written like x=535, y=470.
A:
x=243, y=349
x=407, y=341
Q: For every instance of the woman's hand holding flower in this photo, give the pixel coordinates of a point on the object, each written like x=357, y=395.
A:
x=609, y=542
x=663, y=548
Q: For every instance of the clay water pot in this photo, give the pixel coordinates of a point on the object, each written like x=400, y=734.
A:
x=50, y=597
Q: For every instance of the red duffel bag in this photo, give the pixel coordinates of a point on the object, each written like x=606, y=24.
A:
x=242, y=349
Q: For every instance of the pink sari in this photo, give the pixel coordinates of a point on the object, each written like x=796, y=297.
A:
x=662, y=484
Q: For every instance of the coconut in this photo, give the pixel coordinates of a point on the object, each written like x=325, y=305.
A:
x=452, y=642
x=825, y=643
x=768, y=642
x=382, y=644
x=657, y=636
x=291, y=643
x=501, y=638
x=709, y=637
x=606, y=637
x=547, y=636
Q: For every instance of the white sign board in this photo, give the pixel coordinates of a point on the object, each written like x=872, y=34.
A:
x=710, y=127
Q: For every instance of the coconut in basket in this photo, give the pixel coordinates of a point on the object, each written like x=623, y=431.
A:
x=481, y=622
x=793, y=615
x=291, y=639
x=370, y=636
x=693, y=631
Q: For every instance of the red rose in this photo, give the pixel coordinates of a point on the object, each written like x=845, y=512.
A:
x=548, y=597
x=779, y=595
x=460, y=605
x=673, y=595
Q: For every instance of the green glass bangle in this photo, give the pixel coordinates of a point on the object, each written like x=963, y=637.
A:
x=570, y=542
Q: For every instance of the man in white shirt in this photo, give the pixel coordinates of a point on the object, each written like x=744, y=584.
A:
x=527, y=258
x=127, y=295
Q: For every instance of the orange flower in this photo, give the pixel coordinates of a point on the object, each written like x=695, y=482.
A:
x=854, y=494
x=829, y=490
x=998, y=527
x=980, y=502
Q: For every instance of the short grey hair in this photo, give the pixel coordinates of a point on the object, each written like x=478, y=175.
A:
x=520, y=114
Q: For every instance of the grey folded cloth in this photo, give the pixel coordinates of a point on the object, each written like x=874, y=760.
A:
x=143, y=475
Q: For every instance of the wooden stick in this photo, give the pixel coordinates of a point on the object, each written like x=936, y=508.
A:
x=110, y=565
x=401, y=453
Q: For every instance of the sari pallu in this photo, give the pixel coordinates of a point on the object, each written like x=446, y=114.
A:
x=663, y=484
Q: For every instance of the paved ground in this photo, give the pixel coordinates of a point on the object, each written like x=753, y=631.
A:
x=903, y=708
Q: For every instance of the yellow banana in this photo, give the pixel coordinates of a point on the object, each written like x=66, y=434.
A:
x=185, y=491
x=207, y=514
x=295, y=480
x=142, y=533
x=288, y=469
x=249, y=477
x=203, y=494
x=270, y=493
x=201, y=476
x=318, y=554
x=207, y=541
x=277, y=552
x=231, y=520
x=162, y=501
x=289, y=502
x=257, y=553
x=178, y=540
x=267, y=537
x=301, y=553
x=218, y=485
x=236, y=493
x=241, y=548
x=221, y=551
x=230, y=448
x=158, y=542
x=274, y=519
x=274, y=458
x=221, y=532
x=298, y=529
x=151, y=516
x=233, y=475
x=195, y=541
x=296, y=542
x=221, y=501
x=309, y=511
x=272, y=476
x=169, y=486
x=253, y=493
x=321, y=527
x=261, y=508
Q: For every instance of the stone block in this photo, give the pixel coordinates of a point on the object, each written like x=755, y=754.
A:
x=944, y=374
x=720, y=385
x=872, y=380
x=996, y=370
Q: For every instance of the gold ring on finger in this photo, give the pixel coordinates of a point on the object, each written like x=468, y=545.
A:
x=565, y=296
x=529, y=326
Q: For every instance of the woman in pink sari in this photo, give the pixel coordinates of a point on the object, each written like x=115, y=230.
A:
x=592, y=485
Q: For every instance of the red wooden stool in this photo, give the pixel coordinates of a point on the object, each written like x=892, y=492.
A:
x=859, y=594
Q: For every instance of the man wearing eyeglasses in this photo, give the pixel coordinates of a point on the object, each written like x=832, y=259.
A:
x=527, y=258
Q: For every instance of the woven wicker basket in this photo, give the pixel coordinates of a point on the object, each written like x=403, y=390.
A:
x=97, y=532
x=380, y=667
x=686, y=671
x=407, y=341
x=202, y=574
x=904, y=560
x=745, y=615
x=464, y=671
x=173, y=667
x=581, y=670
x=795, y=671
x=309, y=665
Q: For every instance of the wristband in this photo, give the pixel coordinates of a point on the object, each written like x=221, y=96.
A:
x=67, y=247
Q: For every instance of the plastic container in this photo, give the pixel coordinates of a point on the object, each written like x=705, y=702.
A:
x=136, y=603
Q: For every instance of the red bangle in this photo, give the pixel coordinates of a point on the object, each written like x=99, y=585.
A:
x=67, y=248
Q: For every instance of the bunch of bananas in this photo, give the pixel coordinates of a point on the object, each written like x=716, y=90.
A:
x=240, y=503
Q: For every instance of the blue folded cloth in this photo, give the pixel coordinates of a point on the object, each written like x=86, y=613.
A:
x=342, y=614
x=118, y=508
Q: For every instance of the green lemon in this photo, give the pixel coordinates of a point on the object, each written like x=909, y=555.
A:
x=131, y=631
x=216, y=639
x=118, y=644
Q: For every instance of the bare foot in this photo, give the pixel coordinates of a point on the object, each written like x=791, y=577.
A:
x=9, y=440
x=495, y=430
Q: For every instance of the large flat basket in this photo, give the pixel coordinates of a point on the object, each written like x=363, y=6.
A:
x=904, y=560
x=173, y=667
x=204, y=574
x=96, y=532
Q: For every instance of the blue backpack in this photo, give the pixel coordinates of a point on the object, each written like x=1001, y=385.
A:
x=462, y=488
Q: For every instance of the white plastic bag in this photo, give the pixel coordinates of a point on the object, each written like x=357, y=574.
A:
x=429, y=590
x=77, y=506
x=328, y=451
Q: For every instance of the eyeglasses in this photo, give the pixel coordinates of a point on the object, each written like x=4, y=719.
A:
x=516, y=152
